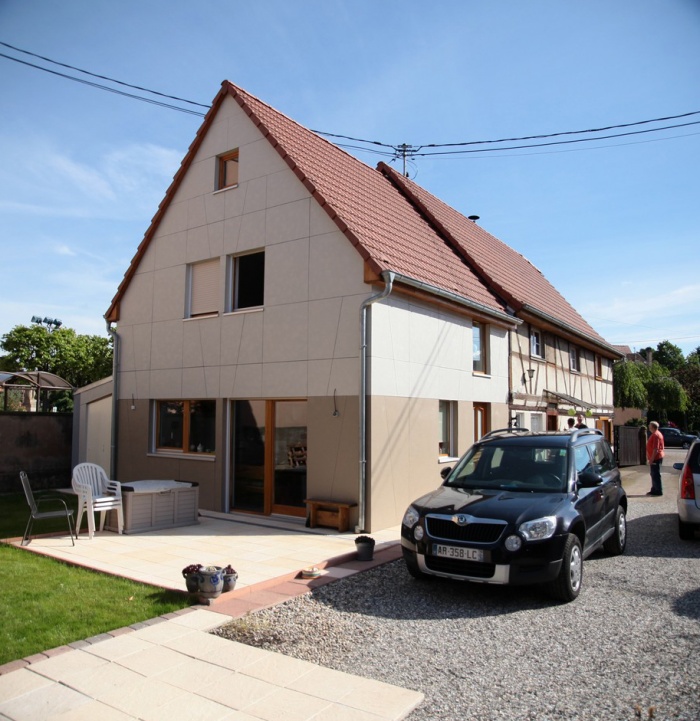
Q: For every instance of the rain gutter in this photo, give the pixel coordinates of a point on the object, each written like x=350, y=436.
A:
x=115, y=400
x=388, y=277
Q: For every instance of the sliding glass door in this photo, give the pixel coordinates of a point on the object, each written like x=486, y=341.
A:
x=269, y=448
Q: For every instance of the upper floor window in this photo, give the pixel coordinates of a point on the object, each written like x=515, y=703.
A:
x=202, y=288
x=574, y=359
x=185, y=426
x=599, y=366
x=227, y=170
x=479, y=348
x=536, y=348
x=245, y=281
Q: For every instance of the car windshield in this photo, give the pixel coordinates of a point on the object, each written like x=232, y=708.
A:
x=511, y=468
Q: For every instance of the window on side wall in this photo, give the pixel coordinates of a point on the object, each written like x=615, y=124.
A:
x=598, y=366
x=185, y=426
x=536, y=422
x=246, y=281
x=227, y=170
x=536, y=343
x=202, y=288
x=480, y=348
x=574, y=359
x=447, y=444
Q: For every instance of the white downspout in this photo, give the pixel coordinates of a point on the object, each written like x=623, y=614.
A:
x=388, y=278
x=115, y=401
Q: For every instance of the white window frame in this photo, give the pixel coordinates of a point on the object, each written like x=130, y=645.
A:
x=536, y=348
x=233, y=263
x=574, y=358
x=481, y=331
x=447, y=429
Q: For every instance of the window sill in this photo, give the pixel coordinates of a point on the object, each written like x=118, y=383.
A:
x=223, y=190
x=207, y=457
x=481, y=374
x=448, y=459
x=203, y=316
x=257, y=309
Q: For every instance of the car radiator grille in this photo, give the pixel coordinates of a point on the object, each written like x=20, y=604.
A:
x=447, y=530
x=460, y=568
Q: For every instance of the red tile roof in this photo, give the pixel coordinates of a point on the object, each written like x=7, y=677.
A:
x=395, y=224
x=508, y=272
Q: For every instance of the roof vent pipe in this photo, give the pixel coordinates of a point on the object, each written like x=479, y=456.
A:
x=473, y=218
x=388, y=277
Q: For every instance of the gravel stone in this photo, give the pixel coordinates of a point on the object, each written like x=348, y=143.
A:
x=627, y=648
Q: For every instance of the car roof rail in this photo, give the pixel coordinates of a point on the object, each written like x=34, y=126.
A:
x=502, y=431
x=585, y=432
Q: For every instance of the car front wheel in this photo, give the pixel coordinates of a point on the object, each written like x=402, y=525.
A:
x=412, y=564
x=615, y=545
x=567, y=585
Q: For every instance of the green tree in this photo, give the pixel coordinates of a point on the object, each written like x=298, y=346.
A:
x=629, y=384
x=79, y=359
x=669, y=356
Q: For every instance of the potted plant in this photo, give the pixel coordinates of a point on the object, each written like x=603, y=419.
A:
x=191, y=576
x=230, y=578
x=364, y=545
x=211, y=583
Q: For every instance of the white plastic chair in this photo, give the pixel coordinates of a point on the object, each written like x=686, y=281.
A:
x=96, y=493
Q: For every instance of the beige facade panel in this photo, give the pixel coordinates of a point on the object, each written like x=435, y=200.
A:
x=287, y=222
x=283, y=262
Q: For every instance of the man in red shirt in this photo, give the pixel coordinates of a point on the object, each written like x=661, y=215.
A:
x=655, y=456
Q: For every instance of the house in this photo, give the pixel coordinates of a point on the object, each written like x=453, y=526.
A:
x=297, y=325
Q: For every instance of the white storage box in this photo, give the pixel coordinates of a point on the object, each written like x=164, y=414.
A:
x=153, y=505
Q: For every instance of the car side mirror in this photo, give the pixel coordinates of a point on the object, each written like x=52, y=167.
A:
x=589, y=479
x=677, y=466
x=445, y=472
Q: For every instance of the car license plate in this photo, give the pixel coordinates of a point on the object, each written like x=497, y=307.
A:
x=461, y=554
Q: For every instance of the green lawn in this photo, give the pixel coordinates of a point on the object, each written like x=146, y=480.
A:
x=46, y=603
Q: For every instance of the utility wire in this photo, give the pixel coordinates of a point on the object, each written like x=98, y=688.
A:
x=104, y=87
x=101, y=77
x=397, y=151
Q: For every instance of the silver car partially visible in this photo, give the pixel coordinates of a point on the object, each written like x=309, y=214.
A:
x=689, y=493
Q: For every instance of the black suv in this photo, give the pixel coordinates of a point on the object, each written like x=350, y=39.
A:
x=520, y=507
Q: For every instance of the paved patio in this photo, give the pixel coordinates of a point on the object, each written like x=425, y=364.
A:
x=260, y=549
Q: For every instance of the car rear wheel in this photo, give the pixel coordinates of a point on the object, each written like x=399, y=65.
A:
x=686, y=444
x=412, y=564
x=686, y=531
x=615, y=545
x=567, y=585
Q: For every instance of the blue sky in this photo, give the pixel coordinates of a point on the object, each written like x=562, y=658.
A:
x=613, y=223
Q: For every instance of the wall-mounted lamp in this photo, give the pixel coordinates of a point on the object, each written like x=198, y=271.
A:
x=133, y=403
x=530, y=373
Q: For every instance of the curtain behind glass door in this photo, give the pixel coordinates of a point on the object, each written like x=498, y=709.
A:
x=248, y=487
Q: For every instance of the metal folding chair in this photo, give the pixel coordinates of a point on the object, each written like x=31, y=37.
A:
x=36, y=515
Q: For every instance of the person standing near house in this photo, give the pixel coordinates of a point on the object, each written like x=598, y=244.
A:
x=655, y=456
x=580, y=422
x=570, y=425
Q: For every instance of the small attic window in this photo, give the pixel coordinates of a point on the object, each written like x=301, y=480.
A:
x=227, y=172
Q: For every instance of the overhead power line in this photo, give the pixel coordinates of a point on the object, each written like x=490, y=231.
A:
x=101, y=77
x=399, y=151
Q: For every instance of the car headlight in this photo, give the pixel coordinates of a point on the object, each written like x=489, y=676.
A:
x=410, y=518
x=538, y=529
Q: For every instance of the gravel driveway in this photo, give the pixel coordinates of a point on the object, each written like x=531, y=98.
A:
x=628, y=647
